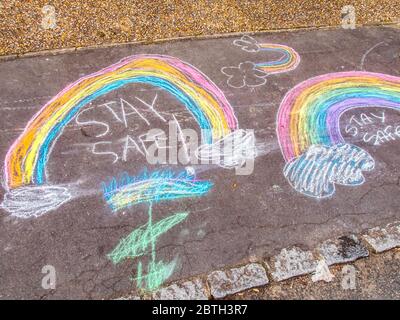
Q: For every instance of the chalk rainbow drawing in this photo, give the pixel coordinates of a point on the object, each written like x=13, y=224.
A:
x=288, y=61
x=25, y=162
x=308, y=128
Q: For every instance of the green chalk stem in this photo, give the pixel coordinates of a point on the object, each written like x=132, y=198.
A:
x=153, y=243
x=137, y=243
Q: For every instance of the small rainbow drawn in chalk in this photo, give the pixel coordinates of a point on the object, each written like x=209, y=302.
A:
x=310, y=112
x=309, y=116
x=289, y=59
x=25, y=161
x=152, y=187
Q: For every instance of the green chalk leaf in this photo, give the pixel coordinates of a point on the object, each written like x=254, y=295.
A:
x=157, y=273
x=137, y=243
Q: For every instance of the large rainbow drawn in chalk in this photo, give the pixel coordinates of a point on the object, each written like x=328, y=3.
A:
x=310, y=112
x=288, y=61
x=26, y=160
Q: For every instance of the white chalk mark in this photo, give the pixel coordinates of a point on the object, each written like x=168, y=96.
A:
x=130, y=144
x=108, y=106
x=92, y=122
x=151, y=107
x=124, y=114
x=25, y=100
x=94, y=151
x=361, y=67
x=18, y=108
x=182, y=138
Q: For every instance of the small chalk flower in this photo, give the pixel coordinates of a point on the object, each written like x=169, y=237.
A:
x=246, y=74
x=247, y=43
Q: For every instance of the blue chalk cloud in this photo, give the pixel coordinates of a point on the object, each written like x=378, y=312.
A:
x=316, y=172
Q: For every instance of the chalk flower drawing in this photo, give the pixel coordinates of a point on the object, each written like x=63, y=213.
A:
x=245, y=74
x=308, y=128
x=253, y=74
x=150, y=188
x=154, y=187
x=26, y=160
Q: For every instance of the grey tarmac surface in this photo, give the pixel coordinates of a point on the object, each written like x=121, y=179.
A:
x=241, y=217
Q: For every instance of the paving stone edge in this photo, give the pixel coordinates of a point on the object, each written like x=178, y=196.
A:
x=291, y=262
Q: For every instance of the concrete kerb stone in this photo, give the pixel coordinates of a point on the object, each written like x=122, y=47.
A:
x=292, y=262
x=342, y=250
x=195, y=289
x=383, y=239
x=289, y=263
x=226, y=282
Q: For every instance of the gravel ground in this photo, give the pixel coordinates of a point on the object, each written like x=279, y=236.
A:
x=377, y=277
x=28, y=26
